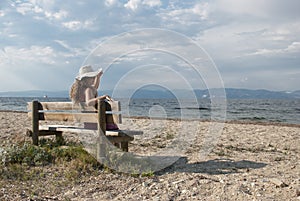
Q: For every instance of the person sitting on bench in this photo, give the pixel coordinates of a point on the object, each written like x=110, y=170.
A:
x=85, y=91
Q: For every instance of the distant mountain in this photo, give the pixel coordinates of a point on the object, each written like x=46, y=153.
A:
x=296, y=94
x=35, y=93
x=231, y=93
x=259, y=94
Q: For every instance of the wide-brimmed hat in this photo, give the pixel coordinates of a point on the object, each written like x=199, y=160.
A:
x=87, y=71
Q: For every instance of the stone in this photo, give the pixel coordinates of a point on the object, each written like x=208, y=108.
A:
x=278, y=182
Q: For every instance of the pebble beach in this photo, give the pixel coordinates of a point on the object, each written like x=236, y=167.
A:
x=249, y=161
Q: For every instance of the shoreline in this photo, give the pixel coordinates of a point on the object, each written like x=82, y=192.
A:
x=263, y=123
x=250, y=122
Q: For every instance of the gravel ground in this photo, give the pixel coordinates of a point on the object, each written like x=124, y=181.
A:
x=248, y=162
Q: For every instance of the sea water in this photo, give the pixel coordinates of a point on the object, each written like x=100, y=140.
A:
x=257, y=110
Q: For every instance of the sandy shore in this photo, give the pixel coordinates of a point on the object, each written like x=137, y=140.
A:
x=247, y=162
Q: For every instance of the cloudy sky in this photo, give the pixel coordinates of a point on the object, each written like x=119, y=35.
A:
x=254, y=44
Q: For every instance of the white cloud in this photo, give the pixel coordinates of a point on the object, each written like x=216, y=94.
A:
x=73, y=25
x=78, y=25
x=201, y=9
x=56, y=15
x=63, y=44
x=152, y=3
x=135, y=4
x=186, y=16
x=12, y=35
x=270, y=10
x=71, y=52
x=40, y=10
x=2, y=13
x=291, y=49
x=252, y=7
x=132, y=4
x=24, y=8
x=229, y=30
x=244, y=35
x=276, y=35
x=294, y=47
x=35, y=54
x=110, y=2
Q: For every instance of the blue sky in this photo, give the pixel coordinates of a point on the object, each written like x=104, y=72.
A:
x=254, y=44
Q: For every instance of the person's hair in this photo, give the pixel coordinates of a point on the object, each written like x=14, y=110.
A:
x=74, y=91
x=78, y=89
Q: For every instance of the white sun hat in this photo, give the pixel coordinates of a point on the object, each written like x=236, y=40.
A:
x=87, y=71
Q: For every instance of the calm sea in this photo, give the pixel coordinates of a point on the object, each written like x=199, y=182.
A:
x=281, y=111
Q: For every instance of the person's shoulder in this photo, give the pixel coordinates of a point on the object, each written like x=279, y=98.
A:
x=91, y=90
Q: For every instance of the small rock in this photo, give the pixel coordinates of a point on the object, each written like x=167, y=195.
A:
x=152, y=186
x=176, y=182
x=298, y=192
x=23, y=195
x=278, y=182
x=145, y=184
x=245, y=189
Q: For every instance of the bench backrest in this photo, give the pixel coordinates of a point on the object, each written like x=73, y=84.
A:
x=106, y=112
x=67, y=111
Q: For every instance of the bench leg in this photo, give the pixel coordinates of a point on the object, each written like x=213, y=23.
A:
x=35, y=122
x=124, y=146
x=116, y=144
x=59, y=138
x=101, y=149
x=121, y=145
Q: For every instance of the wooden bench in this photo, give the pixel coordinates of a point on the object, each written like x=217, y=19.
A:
x=68, y=112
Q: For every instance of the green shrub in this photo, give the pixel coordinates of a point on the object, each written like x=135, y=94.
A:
x=47, y=152
x=26, y=154
x=17, y=161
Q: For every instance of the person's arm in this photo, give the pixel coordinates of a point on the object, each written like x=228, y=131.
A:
x=90, y=99
x=97, y=80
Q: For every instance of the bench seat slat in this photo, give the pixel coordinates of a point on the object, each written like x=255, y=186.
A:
x=54, y=106
x=127, y=132
x=73, y=117
x=62, y=116
x=75, y=129
x=115, y=106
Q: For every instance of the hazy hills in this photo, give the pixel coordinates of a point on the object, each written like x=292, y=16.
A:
x=231, y=93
